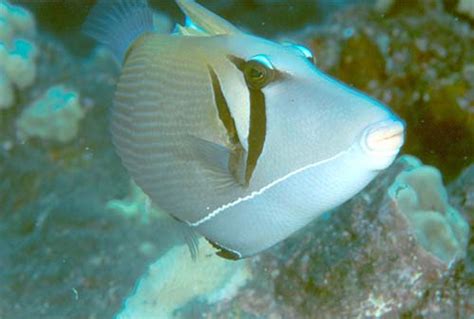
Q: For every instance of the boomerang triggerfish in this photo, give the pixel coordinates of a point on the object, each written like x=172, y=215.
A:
x=240, y=138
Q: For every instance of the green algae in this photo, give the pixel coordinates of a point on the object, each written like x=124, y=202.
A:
x=418, y=61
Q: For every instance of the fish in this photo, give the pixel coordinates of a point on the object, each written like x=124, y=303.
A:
x=242, y=139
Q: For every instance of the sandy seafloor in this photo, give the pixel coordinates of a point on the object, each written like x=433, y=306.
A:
x=64, y=254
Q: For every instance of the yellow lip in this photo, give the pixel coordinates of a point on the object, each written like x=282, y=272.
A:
x=386, y=136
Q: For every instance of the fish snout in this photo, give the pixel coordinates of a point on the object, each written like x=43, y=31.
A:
x=385, y=137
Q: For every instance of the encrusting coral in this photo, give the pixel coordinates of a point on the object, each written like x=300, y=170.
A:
x=17, y=51
x=136, y=204
x=175, y=280
x=466, y=7
x=421, y=198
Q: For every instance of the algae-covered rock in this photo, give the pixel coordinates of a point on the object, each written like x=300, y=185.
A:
x=416, y=58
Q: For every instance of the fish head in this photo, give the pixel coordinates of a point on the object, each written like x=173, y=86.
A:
x=310, y=117
x=289, y=114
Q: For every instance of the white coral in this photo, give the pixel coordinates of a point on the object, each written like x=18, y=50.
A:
x=54, y=116
x=466, y=7
x=17, y=51
x=175, y=279
x=419, y=194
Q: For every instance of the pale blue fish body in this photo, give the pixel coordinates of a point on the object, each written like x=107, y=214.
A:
x=243, y=139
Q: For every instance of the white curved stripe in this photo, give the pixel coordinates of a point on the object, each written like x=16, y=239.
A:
x=263, y=189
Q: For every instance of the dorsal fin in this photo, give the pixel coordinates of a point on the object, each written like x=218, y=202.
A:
x=117, y=24
x=205, y=19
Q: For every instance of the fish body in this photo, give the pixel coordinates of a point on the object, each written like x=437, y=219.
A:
x=243, y=139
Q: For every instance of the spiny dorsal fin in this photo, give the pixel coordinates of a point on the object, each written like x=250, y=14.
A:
x=189, y=31
x=205, y=19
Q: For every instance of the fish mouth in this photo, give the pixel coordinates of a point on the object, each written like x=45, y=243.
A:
x=385, y=137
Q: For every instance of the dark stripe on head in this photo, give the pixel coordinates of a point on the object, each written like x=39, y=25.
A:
x=257, y=130
x=258, y=123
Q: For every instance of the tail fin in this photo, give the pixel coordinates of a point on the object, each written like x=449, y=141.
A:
x=117, y=24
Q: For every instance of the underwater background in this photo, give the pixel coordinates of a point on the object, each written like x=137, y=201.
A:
x=79, y=240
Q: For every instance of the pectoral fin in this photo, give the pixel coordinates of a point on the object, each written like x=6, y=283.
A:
x=216, y=159
x=211, y=155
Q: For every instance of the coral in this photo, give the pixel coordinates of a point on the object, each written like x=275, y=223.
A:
x=383, y=6
x=17, y=52
x=54, y=116
x=136, y=204
x=175, y=280
x=421, y=197
x=20, y=19
x=466, y=7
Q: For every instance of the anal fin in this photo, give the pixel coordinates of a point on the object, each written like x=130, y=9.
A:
x=224, y=252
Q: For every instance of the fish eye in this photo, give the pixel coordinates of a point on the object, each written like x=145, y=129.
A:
x=306, y=52
x=258, y=72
